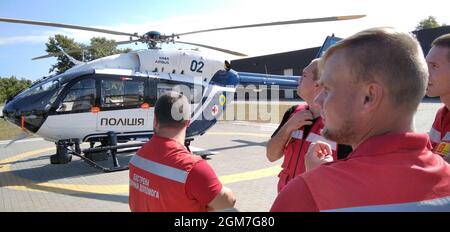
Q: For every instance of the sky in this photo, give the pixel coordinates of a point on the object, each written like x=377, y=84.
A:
x=19, y=43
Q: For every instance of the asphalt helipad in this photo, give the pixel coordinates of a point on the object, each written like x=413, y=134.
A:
x=28, y=182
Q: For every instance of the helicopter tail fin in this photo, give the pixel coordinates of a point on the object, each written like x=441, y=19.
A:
x=329, y=41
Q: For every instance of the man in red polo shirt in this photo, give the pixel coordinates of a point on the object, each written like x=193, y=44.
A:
x=165, y=176
x=300, y=126
x=372, y=85
x=438, y=60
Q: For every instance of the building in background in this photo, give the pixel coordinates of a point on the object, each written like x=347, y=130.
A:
x=292, y=63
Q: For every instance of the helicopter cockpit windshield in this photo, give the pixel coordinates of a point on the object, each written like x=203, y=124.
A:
x=37, y=97
x=43, y=86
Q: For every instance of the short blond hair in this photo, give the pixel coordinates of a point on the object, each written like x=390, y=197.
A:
x=443, y=41
x=391, y=57
x=315, y=68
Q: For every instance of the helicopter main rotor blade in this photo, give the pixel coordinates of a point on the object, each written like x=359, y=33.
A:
x=69, y=26
x=313, y=20
x=213, y=48
x=47, y=56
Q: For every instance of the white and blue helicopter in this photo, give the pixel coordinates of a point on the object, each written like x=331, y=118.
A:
x=110, y=100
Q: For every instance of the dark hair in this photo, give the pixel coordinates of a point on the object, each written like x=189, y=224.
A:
x=172, y=110
x=443, y=41
x=394, y=58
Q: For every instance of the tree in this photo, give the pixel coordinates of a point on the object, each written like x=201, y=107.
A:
x=429, y=22
x=101, y=47
x=98, y=48
x=69, y=46
x=9, y=87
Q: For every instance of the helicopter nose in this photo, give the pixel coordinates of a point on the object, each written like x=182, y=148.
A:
x=17, y=113
x=9, y=113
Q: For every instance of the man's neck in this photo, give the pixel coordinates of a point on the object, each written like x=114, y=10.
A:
x=174, y=134
x=314, y=110
x=397, y=125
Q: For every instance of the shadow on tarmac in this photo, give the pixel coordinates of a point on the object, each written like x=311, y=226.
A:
x=31, y=173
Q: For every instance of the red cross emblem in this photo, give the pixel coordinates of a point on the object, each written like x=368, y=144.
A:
x=214, y=109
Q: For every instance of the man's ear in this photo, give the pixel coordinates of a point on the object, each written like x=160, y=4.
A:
x=155, y=123
x=373, y=94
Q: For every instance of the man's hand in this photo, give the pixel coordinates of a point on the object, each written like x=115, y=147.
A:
x=299, y=120
x=317, y=154
x=276, y=145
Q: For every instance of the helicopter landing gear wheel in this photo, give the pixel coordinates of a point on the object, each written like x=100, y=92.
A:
x=62, y=155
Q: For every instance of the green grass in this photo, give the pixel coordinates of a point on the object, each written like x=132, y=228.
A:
x=7, y=130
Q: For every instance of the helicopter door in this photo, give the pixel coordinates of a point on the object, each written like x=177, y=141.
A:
x=73, y=117
x=124, y=107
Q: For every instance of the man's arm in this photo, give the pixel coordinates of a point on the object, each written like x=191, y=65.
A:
x=276, y=145
x=203, y=185
x=224, y=200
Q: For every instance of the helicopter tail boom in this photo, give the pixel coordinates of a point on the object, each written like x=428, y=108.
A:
x=284, y=82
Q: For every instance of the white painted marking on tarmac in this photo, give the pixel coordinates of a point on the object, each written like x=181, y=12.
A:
x=200, y=151
x=21, y=141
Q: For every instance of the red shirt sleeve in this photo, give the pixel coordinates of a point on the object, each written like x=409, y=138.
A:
x=202, y=183
x=295, y=197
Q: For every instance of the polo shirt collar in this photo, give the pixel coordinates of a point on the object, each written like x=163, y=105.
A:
x=389, y=143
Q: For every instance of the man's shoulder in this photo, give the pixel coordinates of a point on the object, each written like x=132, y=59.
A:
x=441, y=119
x=330, y=173
x=200, y=165
x=442, y=112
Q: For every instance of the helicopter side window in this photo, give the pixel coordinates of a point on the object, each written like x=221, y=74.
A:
x=193, y=95
x=119, y=93
x=81, y=97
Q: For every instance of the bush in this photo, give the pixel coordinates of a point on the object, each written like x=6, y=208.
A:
x=9, y=87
